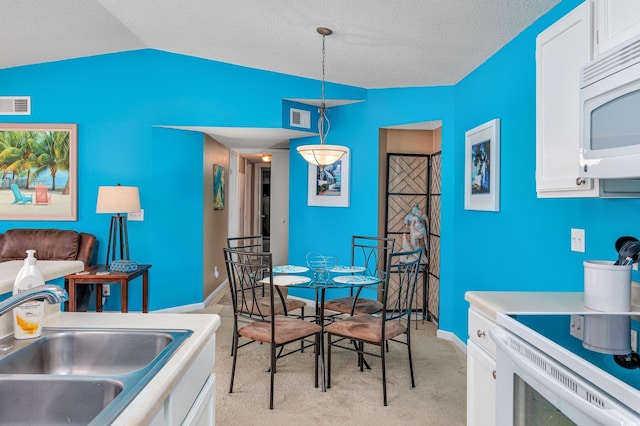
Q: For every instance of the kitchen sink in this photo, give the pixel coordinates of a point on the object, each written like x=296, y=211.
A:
x=79, y=376
x=54, y=401
x=99, y=352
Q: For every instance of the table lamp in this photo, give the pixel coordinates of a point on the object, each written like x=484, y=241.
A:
x=118, y=199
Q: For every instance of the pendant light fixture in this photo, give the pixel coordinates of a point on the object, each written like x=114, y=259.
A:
x=322, y=154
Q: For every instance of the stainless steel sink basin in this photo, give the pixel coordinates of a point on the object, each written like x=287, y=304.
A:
x=58, y=401
x=79, y=376
x=99, y=352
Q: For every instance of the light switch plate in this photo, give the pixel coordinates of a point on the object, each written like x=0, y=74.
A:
x=577, y=240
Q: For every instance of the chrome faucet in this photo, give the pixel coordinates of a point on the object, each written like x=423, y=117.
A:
x=51, y=293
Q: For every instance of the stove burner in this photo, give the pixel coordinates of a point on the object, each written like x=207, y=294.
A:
x=629, y=361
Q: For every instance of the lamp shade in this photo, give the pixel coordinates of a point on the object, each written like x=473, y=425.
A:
x=322, y=154
x=118, y=199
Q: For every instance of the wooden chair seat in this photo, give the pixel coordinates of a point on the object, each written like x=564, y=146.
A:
x=366, y=327
x=286, y=330
x=346, y=305
x=263, y=305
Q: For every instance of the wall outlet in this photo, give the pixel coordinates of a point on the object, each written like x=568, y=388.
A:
x=137, y=217
x=576, y=328
x=106, y=290
x=634, y=340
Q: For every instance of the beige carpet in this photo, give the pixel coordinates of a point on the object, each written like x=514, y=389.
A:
x=355, y=397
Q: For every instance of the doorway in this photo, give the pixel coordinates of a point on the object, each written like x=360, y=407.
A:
x=414, y=141
x=265, y=207
x=262, y=204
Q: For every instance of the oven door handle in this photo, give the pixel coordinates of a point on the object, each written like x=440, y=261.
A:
x=612, y=413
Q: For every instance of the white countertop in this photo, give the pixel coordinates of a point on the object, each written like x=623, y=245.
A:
x=492, y=302
x=151, y=397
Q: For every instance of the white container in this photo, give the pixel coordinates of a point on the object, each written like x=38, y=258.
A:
x=607, y=334
x=607, y=287
x=27, y=317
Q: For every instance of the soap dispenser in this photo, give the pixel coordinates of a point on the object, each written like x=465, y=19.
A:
x=27, y=317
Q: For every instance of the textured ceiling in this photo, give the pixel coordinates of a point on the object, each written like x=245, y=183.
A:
x=376, y=43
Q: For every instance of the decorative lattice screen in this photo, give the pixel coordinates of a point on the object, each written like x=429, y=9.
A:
x=407, y=185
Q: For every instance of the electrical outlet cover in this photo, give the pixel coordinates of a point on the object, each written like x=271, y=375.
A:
x=578, y=240
x=577, y=326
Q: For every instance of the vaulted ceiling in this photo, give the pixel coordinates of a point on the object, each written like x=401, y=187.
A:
x=375, y=44
x=399, y=43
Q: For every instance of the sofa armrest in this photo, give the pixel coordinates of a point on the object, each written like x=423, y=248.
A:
x=88, y=249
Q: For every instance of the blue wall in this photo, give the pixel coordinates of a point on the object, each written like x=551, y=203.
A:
x=117, y=99
x=526, y=246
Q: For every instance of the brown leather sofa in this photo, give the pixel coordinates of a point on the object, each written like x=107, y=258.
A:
x=49, y=244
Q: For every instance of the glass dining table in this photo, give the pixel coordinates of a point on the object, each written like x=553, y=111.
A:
x=325, y=277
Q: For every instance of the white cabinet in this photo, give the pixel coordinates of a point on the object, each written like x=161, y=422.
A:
x=481, y=371
x=203, y=411
x=616, y=21
x=561, y=50
x=192, y=401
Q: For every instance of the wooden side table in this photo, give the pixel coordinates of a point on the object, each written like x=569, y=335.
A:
x=96, y=276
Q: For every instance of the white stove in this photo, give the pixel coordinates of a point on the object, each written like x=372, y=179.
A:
x=549, y=376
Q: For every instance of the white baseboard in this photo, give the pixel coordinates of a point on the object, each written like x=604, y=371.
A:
x=181, y=309
x=196, y=306
x=447, y=335
x=216, y=293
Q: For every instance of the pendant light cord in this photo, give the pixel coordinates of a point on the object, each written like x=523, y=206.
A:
x=323, y=118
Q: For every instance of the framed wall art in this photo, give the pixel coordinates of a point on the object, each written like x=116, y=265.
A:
x=329, y=185
x=218, y=187
x=482, y=167
x=38, y=166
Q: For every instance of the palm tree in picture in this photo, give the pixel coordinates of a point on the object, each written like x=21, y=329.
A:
x=53, y=155
x=18, y=152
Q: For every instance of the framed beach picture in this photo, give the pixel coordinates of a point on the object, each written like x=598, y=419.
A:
x=482, y=167
x=38, y=166
x=329, y=185
x=218, y=187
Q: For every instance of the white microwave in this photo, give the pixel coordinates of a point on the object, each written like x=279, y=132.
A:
x=610, y=114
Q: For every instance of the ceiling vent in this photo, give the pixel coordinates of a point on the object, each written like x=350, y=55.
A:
x=299, y=118
x=15, y=105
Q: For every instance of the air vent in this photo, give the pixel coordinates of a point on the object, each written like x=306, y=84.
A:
x=618, y=59
x=299, y=118
x=15, y=105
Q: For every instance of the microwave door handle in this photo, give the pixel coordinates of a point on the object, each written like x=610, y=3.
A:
x=613, y=414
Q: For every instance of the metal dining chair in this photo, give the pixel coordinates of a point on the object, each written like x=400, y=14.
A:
x=393, y=321
x=371, y=253
x=283, y=305
x=257, y=321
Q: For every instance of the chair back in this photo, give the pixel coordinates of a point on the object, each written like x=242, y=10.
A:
x=254, y=243
x=16, y=192
x=245, y=270
x=404, y=269
x=372, y=253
